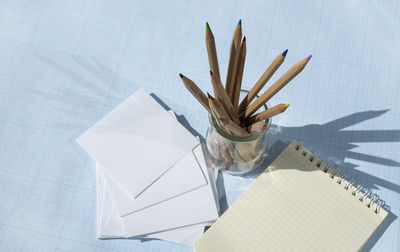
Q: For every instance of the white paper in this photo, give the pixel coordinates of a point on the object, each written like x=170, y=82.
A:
x=109, y=224
x=195, y=207
x=137, y=142
x=183, y=177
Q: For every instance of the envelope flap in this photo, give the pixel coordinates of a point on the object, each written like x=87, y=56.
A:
x=137, y=142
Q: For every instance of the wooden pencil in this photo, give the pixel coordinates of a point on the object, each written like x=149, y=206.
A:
x=233, y=127
x=235, y=47
x=217, y=107
x=222, y=97
x=225, y=153
x=215, y=144
x=224, y=119
x=239, y=75
x=267, y=114
x=278, y=85
x=212, y=52
x=214, y=114
x=257, y=127
x=240, y=161
x=195, y=91
x=262, y=81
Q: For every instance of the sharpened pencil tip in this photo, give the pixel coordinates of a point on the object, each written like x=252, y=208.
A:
x=284, y=53
x=181, y=75
x=240, y=22
x=309, y=57
x=244, y=38
x=211, y=73
x=207, y=25
x=287, y=105
x=210, y=97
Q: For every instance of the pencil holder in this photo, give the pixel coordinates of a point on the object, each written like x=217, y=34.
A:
x=233, y=154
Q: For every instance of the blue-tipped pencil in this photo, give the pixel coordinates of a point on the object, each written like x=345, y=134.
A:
x=233, y=59
x=262, y=81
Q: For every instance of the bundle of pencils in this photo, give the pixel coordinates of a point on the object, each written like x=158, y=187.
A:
x=240, y=119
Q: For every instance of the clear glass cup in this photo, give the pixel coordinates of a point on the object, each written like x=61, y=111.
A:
x=233, y=154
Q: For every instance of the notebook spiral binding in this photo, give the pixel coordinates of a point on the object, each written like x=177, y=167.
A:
x=335, y=173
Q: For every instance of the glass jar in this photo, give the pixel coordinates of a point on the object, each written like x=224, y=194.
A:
x=233, y=154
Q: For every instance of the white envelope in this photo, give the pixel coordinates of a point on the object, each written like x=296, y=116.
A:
x=184, y=175
x=109, y=224
x=177, y=180
x=197, y=206
x=137, y=143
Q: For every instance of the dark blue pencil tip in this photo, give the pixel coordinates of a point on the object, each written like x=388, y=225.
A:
x=181, y=75
x=284, y=53
x=240, y=22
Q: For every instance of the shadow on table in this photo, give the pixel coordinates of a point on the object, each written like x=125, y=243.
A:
x=180, y=118
x=336, y=144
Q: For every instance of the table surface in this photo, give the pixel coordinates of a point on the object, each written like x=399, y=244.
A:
x=65, y=64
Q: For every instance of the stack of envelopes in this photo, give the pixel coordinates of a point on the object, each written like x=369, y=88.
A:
x=152, y=179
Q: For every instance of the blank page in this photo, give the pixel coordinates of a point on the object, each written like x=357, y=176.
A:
x=294, y=205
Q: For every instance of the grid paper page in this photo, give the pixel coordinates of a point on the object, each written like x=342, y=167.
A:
x=65, y=64
x=294, y=206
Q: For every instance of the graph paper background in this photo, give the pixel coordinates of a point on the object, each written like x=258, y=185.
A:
x=64, y=64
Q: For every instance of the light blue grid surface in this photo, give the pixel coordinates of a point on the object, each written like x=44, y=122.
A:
x=65, y=64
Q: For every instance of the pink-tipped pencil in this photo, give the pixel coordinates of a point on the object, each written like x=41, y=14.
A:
x=278, y=85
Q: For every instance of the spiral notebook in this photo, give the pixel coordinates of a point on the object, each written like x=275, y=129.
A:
x=298, y=204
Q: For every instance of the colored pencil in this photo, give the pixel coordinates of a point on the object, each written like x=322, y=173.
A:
x=222, y=97
x=214, y=115
x=215, y=144
x=267, y=113
x=233, y=127
x=257, y=127
x=224, y=118
x=239, y=75
x=262, y=81
x=278, y=85
x=195, y=91
x=227, y=157
x=212, y=52
x=235, y=47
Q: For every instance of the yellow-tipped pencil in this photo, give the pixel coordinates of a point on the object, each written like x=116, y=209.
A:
x=278, y=85
x=212, y=52
x=239, y=75
x=195, y=91
x=267, y=113
x=262, y=81
x=235, y=47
